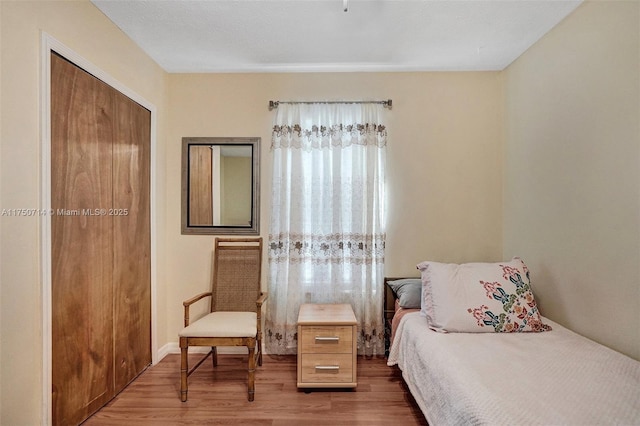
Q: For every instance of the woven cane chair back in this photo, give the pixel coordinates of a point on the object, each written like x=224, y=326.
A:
x=236, y=274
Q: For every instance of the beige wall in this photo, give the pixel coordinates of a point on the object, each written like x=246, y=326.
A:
x=83, y=28
x=1, y=236
x=444, y=168
x=568, y=107
x=572, y=172
x=236, y=190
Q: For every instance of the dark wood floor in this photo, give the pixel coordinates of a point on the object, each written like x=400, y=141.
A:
x=219, y=397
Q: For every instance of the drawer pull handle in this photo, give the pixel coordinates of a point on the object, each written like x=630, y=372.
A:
x=328, y=367
x=327, y=339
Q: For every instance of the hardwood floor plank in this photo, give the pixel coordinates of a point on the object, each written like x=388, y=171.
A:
x=218, y=397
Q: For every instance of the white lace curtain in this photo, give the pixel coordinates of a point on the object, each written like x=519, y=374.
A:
x=327, y=237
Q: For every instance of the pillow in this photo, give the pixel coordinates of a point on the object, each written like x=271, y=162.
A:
x=408, y=291
x=479, y=297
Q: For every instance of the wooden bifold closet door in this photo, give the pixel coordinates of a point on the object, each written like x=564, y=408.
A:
x=101, y=271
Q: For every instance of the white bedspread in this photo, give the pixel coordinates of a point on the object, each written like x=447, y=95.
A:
x=551, y=378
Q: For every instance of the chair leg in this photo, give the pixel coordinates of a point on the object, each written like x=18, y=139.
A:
x=184, y=368
x=214, y=355
x=252, y=369
x=259, y=349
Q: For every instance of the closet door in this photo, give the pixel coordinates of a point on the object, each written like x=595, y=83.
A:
x=100, y=241
x=131, y=239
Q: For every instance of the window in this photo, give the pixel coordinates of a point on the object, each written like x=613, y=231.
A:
x=326, y=242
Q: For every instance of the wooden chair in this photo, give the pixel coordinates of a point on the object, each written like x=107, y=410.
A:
x=235, y=313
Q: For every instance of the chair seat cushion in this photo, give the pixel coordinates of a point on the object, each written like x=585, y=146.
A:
x=223, y=324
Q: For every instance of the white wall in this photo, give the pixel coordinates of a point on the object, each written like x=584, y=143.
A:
x=572, y=171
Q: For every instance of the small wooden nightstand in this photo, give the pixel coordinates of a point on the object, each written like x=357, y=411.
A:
x=327, y=346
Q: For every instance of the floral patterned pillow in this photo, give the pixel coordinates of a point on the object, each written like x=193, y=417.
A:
x=479, y=297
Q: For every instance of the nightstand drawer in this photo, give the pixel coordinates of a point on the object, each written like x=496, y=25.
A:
x=327, y=336
x=326, y=339
x=327, y=368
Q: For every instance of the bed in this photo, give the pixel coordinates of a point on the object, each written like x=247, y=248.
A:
x=548, y=376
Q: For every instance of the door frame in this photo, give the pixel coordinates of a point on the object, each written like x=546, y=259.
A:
x=49, y=44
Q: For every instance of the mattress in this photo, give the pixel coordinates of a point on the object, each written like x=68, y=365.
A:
x=397, y=318
x=551, y=378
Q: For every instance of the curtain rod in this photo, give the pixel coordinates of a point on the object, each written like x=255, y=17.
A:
x=274, y=104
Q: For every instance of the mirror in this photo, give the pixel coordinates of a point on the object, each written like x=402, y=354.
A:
x=220, y=186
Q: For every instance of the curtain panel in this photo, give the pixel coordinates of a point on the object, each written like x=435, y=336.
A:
x=327, y=237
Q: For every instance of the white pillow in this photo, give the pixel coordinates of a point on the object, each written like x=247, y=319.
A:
x=479, y=297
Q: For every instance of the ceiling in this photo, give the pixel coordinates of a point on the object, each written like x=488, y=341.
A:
x=208, y=36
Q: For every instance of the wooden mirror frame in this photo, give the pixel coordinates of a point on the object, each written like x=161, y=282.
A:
x=254, y=227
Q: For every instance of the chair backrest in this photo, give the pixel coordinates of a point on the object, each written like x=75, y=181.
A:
x=237, y=274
